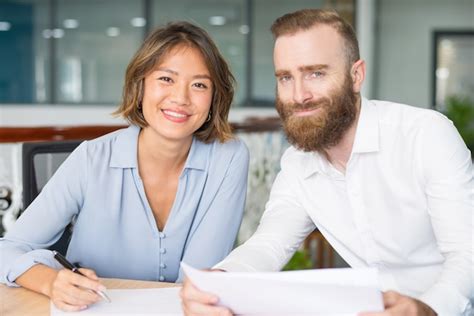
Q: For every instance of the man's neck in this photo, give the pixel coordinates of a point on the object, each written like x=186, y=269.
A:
x=340, y=154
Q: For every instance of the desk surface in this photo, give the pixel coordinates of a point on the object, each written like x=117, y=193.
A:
x=19, y=301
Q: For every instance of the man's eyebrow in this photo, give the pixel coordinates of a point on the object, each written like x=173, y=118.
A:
x=313, y=67
x=308, y=68
x=280, y=73
x=199, y=76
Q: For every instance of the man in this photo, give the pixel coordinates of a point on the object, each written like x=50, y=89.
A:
x=389, y=185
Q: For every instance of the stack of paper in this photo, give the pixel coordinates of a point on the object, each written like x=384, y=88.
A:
x=307, y=292
x=134, y=302
x=316, y=292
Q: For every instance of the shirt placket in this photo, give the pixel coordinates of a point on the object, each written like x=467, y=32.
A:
x=363, y=227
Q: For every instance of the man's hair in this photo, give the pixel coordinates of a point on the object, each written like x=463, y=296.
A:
x=156, y=46
x=305, y=19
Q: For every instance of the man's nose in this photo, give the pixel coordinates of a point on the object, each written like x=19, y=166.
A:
x=301, y=93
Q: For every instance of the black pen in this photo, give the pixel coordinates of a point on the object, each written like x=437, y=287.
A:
x=65, y=263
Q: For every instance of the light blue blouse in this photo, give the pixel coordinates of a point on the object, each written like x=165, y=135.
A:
x=115, y=231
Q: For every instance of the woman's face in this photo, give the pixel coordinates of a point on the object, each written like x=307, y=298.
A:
x=178, y=94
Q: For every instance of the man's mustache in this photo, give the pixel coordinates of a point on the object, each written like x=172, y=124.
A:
x=296, y=107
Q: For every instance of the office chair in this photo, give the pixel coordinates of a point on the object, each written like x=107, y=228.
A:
x=32, y=152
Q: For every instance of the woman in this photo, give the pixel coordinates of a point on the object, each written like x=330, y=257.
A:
x=170, y=187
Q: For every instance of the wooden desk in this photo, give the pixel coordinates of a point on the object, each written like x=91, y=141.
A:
x=21, y=302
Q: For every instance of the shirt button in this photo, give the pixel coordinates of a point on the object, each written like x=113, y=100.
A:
x=162, y=235
x=162, y=250
x=162, y=265
x=162, y=278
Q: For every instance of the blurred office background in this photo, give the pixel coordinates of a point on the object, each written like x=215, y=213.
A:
x=62, y=63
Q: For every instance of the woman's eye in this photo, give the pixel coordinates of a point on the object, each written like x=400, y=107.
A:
x=165, y=79
x=200, y=85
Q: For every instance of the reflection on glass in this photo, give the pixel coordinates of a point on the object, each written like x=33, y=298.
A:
x=24, y=53
x=223, y=20
x=454, y=68
x=97, y=43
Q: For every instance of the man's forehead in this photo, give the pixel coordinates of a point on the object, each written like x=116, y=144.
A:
x=320, y=44
x=319, y=33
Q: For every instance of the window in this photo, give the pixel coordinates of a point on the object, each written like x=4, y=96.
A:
x=76, y=51
x=453, y=66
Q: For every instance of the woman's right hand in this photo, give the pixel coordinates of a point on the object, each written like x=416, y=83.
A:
x=71, y=291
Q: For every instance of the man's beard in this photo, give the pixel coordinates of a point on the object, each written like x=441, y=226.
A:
x=324, y=129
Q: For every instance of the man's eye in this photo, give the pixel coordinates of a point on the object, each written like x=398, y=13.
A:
x=317, y=74
x=284, y=79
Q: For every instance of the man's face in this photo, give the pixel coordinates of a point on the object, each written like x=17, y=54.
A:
x=315, y=96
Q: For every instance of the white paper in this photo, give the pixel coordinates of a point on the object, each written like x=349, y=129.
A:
x=317, y=292
x=136, y=302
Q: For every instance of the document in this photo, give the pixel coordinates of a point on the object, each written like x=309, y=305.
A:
x=344, y=291
x=136, y=302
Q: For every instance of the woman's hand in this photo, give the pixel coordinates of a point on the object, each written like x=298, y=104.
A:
x=71, y=291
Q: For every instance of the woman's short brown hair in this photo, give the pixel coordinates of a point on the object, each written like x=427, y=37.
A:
x=153, y=49
x=305, y=19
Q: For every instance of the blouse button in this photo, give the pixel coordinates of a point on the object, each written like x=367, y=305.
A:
x=162, y=265
x=162, y=250
x=162, y=235
x=162, y=278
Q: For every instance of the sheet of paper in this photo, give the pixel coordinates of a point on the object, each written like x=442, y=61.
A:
x=318, y=292
x=136, y=302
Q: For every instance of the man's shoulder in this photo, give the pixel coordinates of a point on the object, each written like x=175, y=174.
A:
x=405, y=117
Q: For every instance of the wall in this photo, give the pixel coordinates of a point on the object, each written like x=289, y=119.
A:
x=404, y=45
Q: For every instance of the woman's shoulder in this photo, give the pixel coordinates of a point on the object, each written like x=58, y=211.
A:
x=231, y=147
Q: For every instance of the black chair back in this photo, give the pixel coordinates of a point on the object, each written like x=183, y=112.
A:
x=30, y=169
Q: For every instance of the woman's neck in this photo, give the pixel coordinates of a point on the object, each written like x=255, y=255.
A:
x=161, y=154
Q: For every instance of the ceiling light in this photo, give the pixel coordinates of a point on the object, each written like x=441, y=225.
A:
x=70, y=24
x=138, y=22
x=113, y=31
x=58, y=33
x=442, y=73
x=217, y=20
x=5, y=26
x=244, y=29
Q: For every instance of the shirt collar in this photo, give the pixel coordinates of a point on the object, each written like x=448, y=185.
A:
x=366, y=140
x=198, y=155
x=367, y=133
x=124, y=152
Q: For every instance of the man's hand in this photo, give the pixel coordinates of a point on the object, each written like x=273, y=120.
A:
x=196, y=302
x=401, y=305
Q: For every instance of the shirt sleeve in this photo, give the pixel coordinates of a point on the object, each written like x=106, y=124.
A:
x=216, y=232
x=282, y=229
x=43, y=222
x=449, y=187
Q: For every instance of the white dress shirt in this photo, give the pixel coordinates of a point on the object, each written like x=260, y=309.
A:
x=404, y=205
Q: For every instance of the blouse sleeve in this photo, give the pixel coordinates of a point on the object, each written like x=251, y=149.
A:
x=43, y=222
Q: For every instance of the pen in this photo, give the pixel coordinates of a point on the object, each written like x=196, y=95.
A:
x=65, y=263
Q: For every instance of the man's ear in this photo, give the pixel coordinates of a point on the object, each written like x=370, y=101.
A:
x=358, y=75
